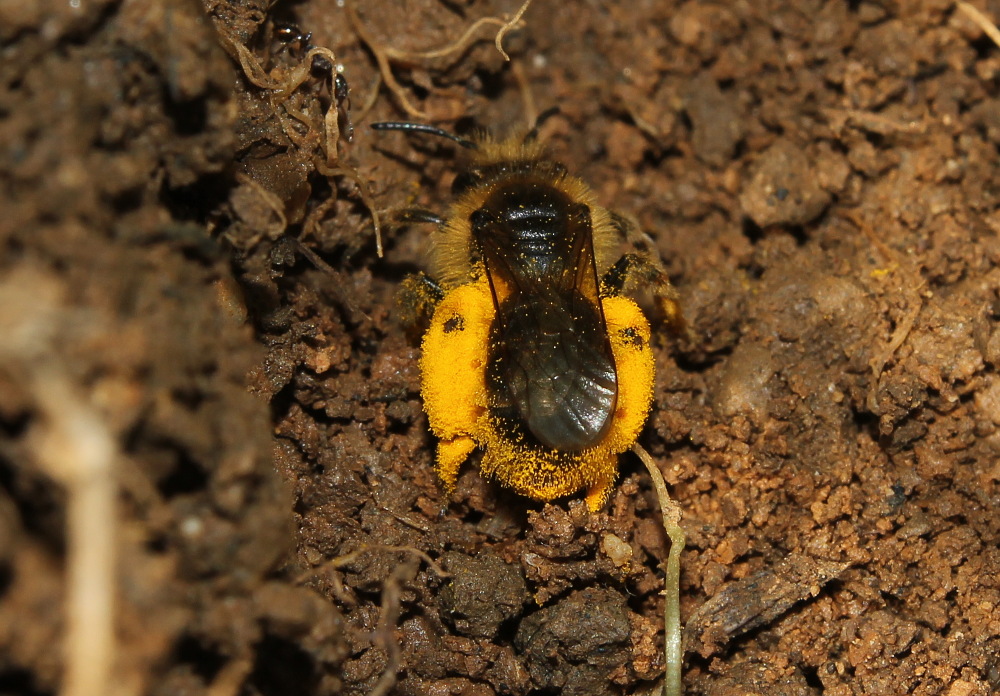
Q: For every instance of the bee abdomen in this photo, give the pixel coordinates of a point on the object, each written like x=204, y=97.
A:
x=551, y=374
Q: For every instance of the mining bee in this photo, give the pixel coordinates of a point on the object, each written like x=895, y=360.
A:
x=533, y=352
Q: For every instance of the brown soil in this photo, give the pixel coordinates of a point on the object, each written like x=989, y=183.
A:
x=821, y=180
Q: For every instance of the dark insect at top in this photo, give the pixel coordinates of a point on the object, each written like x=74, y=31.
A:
x=551, y=373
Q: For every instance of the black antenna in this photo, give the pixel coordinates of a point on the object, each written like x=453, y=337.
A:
x=410, y=127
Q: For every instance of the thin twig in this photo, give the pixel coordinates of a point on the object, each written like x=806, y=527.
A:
x=982, y=21
x=88, y=459
x=385, y=56
x=508, y=26
x=370, y=99
x=384, y=634
x=389, y=612
x=366, y=199
x=229, y=680
x=282, y=87
x=673, y=653
x=455, y=46
x=914, y=304
x=73, y=444
x=348, y=558
x=527, y=97
x=382, y=60
x=275, y=204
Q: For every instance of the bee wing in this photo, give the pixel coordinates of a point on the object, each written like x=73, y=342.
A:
x=582, y=262
x=552, y=371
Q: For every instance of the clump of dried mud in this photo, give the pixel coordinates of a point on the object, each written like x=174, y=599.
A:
x=189, y=258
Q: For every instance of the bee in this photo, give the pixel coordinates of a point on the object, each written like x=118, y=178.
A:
x=534, y=353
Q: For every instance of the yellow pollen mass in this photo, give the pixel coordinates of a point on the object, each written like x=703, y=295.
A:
x=453, y=367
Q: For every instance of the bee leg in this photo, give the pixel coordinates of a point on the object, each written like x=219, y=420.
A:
x=600, y=490
x=450, y=456
x=404, y=216
x=417, y=297
x=631, y=233
x=633, y=271
x=642, y=268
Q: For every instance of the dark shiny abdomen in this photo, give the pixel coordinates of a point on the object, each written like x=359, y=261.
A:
x=551, y=376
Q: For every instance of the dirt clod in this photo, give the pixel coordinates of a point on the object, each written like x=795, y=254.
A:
x=575, y=644
x=482, y=593
x=756, y=601
x=784, y=188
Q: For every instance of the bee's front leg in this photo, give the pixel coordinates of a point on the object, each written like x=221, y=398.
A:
x=416, y=298
x=637, y=271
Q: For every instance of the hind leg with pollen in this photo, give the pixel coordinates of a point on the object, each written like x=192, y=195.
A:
x=599, y=491
x=450, y=456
